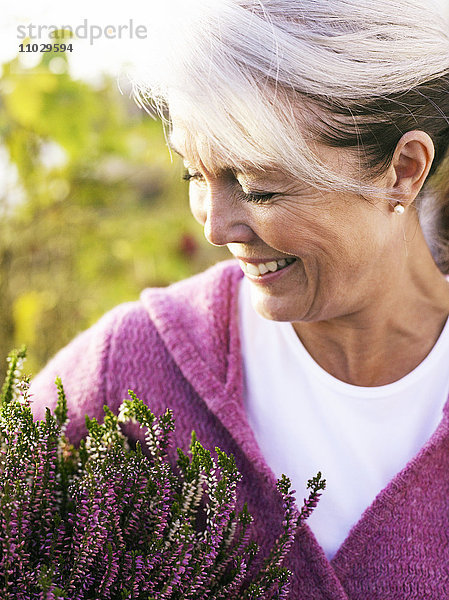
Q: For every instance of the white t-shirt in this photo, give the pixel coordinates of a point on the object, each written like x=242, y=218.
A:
x=305, y=420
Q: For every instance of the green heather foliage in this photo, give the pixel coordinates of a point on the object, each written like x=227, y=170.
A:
x=105, y=521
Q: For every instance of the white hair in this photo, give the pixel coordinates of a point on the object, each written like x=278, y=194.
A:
x=255, y=82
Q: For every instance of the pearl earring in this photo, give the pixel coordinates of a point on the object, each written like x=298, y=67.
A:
x=399, y=209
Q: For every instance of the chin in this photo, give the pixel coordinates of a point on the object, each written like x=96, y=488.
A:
x=276, y=309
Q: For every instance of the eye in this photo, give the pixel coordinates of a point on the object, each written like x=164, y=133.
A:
x=258, y=198
x=187, y=176
x=248, y=196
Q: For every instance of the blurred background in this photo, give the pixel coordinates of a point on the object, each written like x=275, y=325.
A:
x=92, y=205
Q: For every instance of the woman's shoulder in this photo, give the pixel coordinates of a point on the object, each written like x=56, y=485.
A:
x=208, y=286
x=191, y=309
x=202, y=297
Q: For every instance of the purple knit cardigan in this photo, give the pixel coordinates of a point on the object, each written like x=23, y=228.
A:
x=179, y=347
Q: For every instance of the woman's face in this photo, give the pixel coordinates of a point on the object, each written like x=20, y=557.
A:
x=309, y=255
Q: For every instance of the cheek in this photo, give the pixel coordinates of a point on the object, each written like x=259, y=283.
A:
x=302, y=234
x=328, y=243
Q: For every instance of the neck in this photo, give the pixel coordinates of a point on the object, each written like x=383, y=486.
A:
x=392, y=334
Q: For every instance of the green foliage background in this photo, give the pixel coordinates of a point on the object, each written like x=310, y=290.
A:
x=93, y=230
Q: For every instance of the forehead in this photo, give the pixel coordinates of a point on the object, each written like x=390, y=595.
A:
x=213, y=157
x=184, y=145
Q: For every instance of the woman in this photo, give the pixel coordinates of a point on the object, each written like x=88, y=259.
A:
x=314, y=135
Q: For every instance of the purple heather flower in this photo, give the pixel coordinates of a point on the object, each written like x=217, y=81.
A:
x=105, y=521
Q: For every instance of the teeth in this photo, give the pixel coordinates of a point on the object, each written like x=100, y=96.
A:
x=252, y=269
x=263, y=268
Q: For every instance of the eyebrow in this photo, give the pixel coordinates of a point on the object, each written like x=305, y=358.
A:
x=173, y=146
x=175, y=149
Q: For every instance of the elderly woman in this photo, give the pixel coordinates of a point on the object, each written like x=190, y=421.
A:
x=314, y=135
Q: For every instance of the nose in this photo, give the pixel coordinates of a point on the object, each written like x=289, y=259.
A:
x=224, y=228
x=223, y=217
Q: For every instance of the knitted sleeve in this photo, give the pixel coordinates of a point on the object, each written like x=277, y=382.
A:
x=83, y=366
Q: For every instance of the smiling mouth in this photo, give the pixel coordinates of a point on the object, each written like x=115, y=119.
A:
x=261, y=269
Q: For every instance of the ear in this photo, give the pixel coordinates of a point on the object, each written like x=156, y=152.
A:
x=411, y=164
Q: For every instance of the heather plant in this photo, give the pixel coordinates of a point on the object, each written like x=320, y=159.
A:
x=106, y=521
